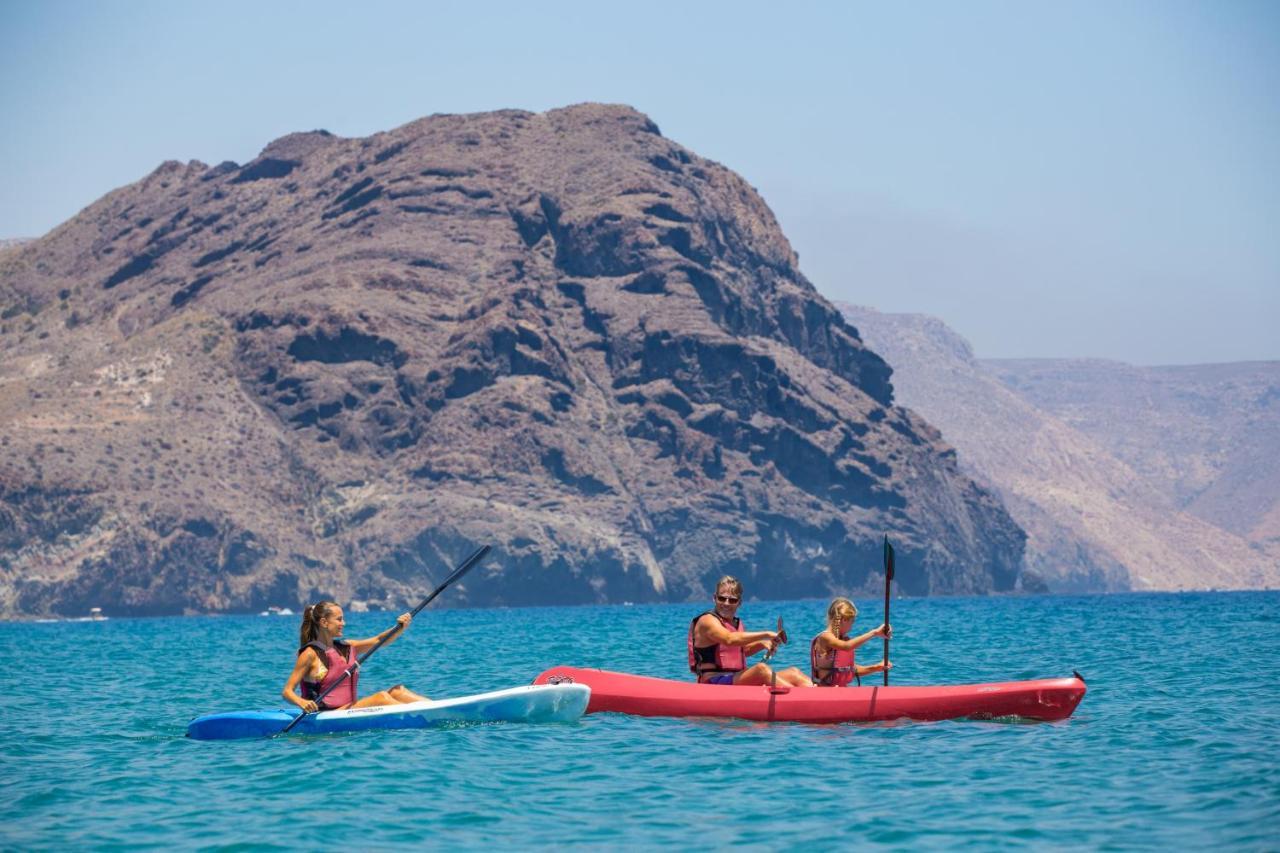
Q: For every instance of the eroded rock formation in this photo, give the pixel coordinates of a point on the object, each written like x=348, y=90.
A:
x=333, y=370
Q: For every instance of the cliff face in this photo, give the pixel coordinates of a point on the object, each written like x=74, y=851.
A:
x=1097, y=518
x=333, y=370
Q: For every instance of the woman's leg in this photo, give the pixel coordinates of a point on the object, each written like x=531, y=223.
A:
x=403, y=694
x=397, y=695
x=382, y=697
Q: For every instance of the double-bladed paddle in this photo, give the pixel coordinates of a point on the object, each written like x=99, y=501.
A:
x=466, y=566
x=888, y=579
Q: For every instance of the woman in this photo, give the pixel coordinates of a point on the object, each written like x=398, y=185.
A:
x=323, y=657
x=831, y=653
x=719, y=647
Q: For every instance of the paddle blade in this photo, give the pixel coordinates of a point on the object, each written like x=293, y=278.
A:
x=888, y=560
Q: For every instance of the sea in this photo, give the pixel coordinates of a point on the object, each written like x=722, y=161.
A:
x=1175, y=746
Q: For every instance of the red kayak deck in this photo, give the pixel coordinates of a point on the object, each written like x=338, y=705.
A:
x=1044, y=699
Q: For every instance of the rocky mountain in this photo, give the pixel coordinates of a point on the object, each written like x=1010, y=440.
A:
x=1094, y=521
x=1207, y=435
x=333, y=370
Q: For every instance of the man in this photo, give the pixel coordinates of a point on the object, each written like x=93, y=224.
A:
x=719, y=647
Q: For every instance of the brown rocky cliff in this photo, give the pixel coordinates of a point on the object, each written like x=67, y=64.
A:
x=333, y=370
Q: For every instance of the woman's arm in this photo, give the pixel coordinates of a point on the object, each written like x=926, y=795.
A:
x=391, y=634
x=301, y=667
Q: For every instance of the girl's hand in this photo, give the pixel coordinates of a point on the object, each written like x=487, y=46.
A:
x=884, y=631
x=310, y=707
x=403, y=620
x=885, y=665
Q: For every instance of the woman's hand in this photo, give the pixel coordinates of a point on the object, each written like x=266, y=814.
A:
x=310, y=707
x=885, y=666
x=402, y=622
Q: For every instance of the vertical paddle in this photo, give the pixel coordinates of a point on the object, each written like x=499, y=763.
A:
x=466, y=566
x=888, y=579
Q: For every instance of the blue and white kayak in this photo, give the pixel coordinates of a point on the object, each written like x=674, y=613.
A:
x=539, y=703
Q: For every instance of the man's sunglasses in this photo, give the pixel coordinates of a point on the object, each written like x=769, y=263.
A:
x=728, y=599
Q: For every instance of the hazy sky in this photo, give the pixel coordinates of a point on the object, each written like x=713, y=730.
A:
x=1051, y=179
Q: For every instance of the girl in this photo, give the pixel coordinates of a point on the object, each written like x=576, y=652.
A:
x=324, y=656
x=831, y=653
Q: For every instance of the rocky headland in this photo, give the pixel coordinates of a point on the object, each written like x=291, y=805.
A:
x=333, y=370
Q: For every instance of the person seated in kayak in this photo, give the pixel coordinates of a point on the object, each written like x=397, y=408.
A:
x=831, y=653
x=719, y=646
x=324, y=656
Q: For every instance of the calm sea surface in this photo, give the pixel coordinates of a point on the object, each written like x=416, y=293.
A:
x=1177, y=743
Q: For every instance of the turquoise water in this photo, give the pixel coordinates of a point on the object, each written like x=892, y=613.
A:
x=1175, y=744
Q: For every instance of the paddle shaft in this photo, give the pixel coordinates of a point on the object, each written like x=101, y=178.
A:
x=466, y=566
x=782, y=638
x=888, y=581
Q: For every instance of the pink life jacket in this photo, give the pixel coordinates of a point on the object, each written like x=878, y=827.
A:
x=337, y=658
x=839, y=667
x=717, y=658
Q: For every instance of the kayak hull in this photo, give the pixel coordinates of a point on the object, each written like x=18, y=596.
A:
x=553, y=703
x=1045, y=699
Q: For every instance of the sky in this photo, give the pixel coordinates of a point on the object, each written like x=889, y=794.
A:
x=1083, y=179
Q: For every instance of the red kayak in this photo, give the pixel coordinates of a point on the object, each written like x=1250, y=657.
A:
x=1044, y=699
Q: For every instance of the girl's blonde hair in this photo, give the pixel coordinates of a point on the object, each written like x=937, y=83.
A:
x=311, y=617
x=838, y=609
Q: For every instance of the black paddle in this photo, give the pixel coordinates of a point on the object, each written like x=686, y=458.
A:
x=466, y=566
x=888, y=579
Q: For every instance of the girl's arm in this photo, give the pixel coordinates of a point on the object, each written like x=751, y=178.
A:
x=875, y=667
x=301, y=667
x=391, y=634
x=853, y=642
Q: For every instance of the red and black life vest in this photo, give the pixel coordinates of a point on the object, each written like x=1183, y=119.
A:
x=840, y=668
x=718, y=657
x=337, y=658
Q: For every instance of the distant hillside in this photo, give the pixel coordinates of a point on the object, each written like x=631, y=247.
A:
x=1094, y=522
x=1208, y=435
